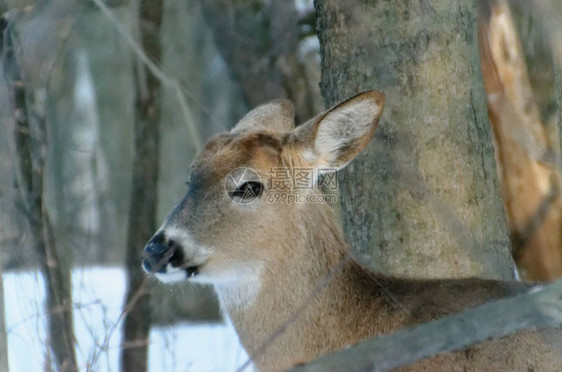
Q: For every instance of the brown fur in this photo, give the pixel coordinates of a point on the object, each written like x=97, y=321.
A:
x=268, y=261
x=358, y=304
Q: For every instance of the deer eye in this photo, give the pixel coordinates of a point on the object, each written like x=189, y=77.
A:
x=247, y=192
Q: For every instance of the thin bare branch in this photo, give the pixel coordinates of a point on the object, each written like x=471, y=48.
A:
x=161, y=75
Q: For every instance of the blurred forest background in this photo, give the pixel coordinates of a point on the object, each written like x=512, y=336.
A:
x=103, y=105
x=79, y=80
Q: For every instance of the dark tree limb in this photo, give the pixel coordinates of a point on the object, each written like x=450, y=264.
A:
x=538, y=308
x=527, y=160
x=142, y=213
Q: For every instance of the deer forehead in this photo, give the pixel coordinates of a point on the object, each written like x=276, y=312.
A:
x=226, y=152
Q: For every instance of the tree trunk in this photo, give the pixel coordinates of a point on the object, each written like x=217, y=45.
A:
x=142, y=218
x=423, y=200
x=31, y=142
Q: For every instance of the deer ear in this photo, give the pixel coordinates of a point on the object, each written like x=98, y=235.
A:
x=277, y=115
x=335, y=137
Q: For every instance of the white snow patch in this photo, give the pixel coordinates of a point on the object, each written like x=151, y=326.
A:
x=98, y=294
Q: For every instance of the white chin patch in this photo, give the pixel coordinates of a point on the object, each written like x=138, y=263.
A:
x=172, y=275
x=239, y=289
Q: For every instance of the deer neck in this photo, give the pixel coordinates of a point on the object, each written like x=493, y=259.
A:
x=302, y=281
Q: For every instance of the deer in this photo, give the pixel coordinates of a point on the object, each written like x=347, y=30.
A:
x=273, y=262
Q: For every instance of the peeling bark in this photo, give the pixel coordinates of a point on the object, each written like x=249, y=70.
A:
x=528, y=157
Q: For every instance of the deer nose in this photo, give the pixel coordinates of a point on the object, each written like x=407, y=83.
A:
x=158, y=252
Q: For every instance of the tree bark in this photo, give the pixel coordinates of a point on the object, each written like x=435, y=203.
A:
x=143, y=208
x=423, y=199
x=31, y=142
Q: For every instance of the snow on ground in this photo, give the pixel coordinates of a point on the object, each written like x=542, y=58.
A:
x=98, y=296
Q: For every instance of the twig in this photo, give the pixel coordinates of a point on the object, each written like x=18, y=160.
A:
x=162, y=76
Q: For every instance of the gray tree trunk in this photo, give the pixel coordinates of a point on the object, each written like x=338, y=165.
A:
x=423, y=200
x=143, y=208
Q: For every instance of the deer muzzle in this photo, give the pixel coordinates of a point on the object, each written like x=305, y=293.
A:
x=162, y=255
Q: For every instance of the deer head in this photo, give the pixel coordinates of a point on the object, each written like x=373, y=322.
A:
x=237, y=218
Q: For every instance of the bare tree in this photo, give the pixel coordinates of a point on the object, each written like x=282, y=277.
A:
x=31, y=140
x=143, y=209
